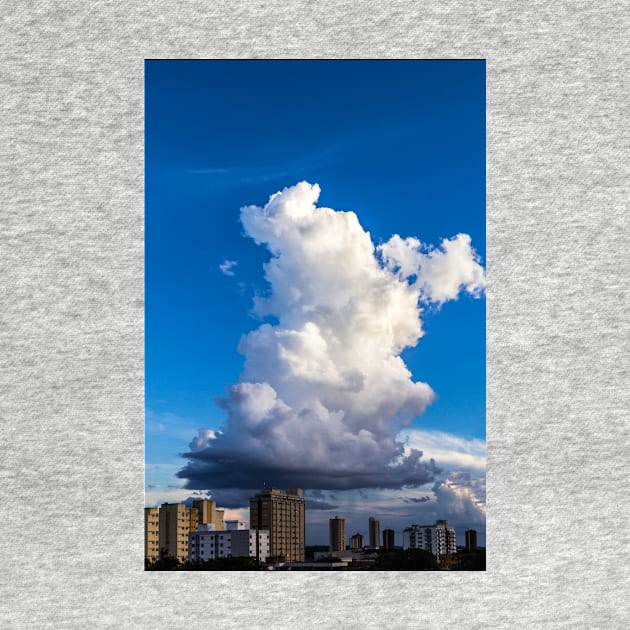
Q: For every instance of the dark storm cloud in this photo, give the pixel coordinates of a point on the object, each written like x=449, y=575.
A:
x=217, y=469
x=312, y=504
x=417, y=499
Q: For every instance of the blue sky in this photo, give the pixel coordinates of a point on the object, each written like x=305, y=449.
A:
x=400, y=143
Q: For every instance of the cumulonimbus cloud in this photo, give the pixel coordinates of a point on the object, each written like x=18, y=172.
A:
x=324, y=391
x=460, y=502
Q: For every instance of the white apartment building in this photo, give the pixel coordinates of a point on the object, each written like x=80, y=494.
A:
x=439, y=539
x=209, y=544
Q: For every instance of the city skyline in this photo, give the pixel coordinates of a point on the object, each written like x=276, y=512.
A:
x=401, y=146
x=179, y=531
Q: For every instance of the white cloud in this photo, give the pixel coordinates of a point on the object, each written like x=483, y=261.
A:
x=157, y=495
x=438, y=274
x=324, y=391
x=227, y=266
x=241, y=514
x=203, y=439
x=450, y=452
x=459, y=503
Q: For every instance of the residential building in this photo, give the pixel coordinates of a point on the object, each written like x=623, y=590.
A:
x=167, y=527
x=374, y=529
x=356, y=542
x=176, y=521
x=282, y=514
x=209, y=544
x=471, y=539
x=337, y=534
x=439, y=539
x=250, y=542
x=207, y=513
x=152, y=533
x=388, y=539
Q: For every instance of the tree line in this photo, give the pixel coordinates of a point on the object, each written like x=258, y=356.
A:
x=398, y=560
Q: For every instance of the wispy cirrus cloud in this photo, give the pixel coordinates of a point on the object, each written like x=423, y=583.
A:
x=227, y=267
x=225, y=177
x=169, y=425
x=212, y=171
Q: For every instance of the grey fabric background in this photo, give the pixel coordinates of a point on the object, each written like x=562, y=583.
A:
x=71, y=340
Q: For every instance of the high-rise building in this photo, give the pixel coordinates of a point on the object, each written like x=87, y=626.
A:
x=207, y=513
x=283, y=515
x=337, y=530
x=176, y=522
x=375, y=533
x=439, y=539
x=356, y=542
x=471, y=539
x=165, y=526
x=388, y=539
x=152, y=533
